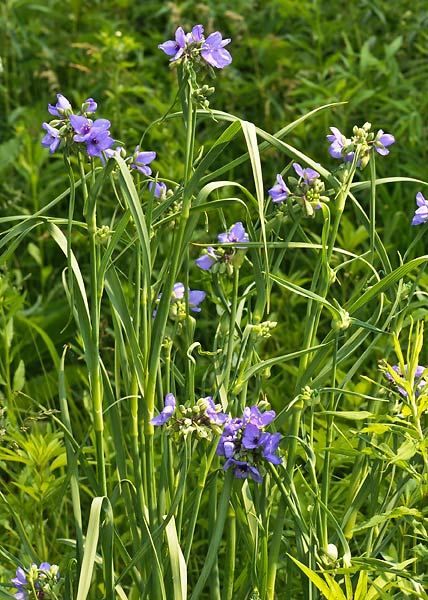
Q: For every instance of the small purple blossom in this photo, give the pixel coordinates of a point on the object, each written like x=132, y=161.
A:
x=197, y=34
x=45, y=576
x=62, y=108
x=235, y=234
x=421, y=213
x=254, y=416
x=382, y=140
x=279, y=192
x=89, y=106
x=167, y=411
x=98, y=141
x=213, y=52
x=243, y=469
x=195, y=296
x=208, y=259
x=269, y=445
x=308, y=175
x=84, y=127
x=338, y=143
x=160, y=189
x=140, y=161
x=252, y=437
x=52, y=139
x=218, y=418
x=419, y=371
x=175, y=48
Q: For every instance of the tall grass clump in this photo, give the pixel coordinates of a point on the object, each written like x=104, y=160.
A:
x=237, y=408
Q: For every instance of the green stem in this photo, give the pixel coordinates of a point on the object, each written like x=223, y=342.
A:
x=231, y=333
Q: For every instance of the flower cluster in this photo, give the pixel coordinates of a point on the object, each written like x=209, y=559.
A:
x=307, y=189
x=421, y=213
x=362, y=141
x=222, y=259
x=78, y=129
x=204, y=419
x=243, y=441
x=178, y=303
x=38, y=582
x=194, y=45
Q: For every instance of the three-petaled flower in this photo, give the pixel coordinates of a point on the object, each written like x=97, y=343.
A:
x=421, y=213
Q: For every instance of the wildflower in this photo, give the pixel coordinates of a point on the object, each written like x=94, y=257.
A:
x=160, y=189
x=89, y=106
x=213, y=52
x=381, y=141
x=140, y=161
x=269, y=444
x=279, y=191
x=207, y=260
x=243, y=469
x=256, y=417
x=98, y=141
x=62, y=108
x=195, y=296
x=52, y=139
x=418, y=381
x=338, y=145
x=167, y=411
x=235, y=234
x=175, y=48
x=83, y=127
x=421, y=213
x=214, y=415
x=308, y=175
x=252, y=436
x=20, y=582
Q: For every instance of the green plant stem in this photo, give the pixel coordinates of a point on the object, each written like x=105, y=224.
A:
x=231, y=333
x=216, y=535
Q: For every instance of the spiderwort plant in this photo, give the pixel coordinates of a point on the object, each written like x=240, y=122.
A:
x=140, y=278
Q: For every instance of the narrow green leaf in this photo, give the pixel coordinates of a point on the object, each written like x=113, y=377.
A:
x=178, y=565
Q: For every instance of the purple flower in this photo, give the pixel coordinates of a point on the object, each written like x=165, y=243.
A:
x=338, y=143
x=98, y=141
x=207, y=260
x=382, y=140
x=235, y=234
x=279, y=191
x=252, y=437
x=89, y=106
x=419, y=371
x=421, y=213
x=167, y=411
x=84, y=127
x=140, y=161
x=269, y=444
x=62, y=107
x=20, y=582
x=308, y=174
x=255, y=417
x=197, y=34
x=52, y=139
x=211, y=412
x=160, y=187
x=243, y=469
x=213, y=52
x=195, y=296
x=175, y=48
